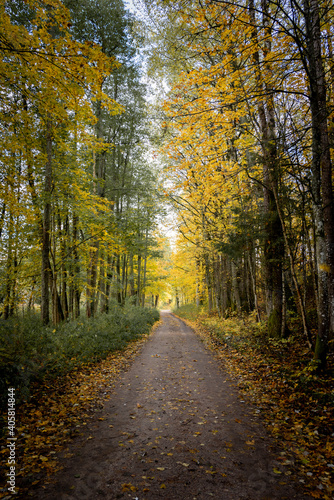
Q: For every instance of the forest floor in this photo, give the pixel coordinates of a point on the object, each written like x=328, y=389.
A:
x=175, y=426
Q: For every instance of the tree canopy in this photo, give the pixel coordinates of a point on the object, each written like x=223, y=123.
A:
x=240, y=135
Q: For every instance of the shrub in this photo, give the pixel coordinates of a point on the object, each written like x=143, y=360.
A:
x=190, y=311
x=32, y=352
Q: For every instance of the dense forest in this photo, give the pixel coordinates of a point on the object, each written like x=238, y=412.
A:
x=248, y=141
x=79, y=209
x=166, y=154
x=219, y=113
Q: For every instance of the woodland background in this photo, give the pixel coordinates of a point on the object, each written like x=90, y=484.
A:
x=118, y=122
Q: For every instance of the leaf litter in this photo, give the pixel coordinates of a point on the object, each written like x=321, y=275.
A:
x=296, y=405
x=57, y=411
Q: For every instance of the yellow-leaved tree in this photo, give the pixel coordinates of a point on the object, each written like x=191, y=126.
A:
x=48, y=83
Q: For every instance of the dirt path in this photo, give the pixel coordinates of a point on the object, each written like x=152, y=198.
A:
x=175, y=428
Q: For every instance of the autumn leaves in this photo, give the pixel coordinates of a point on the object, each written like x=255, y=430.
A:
x=251, y=157
x=47, y=122
x=78, y=205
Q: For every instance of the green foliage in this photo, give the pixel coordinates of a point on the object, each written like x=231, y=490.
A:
x=31, y=352
x=189, y=311
x=224, y=332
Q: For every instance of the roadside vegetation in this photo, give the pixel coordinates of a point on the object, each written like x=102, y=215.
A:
x=279, y=377
x=31, y=353
x=62, y=375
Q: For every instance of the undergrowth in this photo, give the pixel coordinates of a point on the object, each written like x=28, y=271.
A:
x=31, y=352
x=280, y=378
x=57, y=411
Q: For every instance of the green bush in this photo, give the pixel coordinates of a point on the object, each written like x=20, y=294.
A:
x=32, y=352
x=189, y=311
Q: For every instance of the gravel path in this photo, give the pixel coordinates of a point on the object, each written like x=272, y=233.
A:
x=176, y=427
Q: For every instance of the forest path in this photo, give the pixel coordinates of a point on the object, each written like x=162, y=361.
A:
x=176, y=427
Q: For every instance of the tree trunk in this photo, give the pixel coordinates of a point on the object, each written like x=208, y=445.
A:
x=144, y=270
x=91, y=280
x=109, y=276
x=235, y=287
x=132, y=276
x=124, y=277
x=9, y=267
x=322, y=189
x=208, y=282
x=63, y=231
x=138, y=280
x=76, y=291
x=253, y=279
x=118, y=277
x=273, y=246
x=45, y=284
x=301, y=304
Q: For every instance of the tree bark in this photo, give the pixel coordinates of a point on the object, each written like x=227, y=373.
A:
x=322, y=189
x=138, y=280
x=91, y=280
x=273, y=246
x=144, y=270
x=76, y=286
x=45, y=284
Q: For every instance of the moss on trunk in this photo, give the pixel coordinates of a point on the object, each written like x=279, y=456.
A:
x=275, y=324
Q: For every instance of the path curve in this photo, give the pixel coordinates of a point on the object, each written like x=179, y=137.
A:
x=176, y=427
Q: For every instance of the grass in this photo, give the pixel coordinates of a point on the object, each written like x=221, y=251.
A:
x=31, y=352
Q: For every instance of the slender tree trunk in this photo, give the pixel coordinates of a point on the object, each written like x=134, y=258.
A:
x=9, y=267
x=235, y=287
x=322, y=189
x=109, y=277
x=138, y=280
x=118, y=278
x=273, y=246
x=91, y=279
x=131, y=276
x=103, y=280
x=45, y=284
x=57, y=310
x=99, y=189
x=3, y=213
x=76, y=286
x=301, y=304
x=63, y=231
x=253, y=279
x=144, y=270
x=13, y=304
x=124, y=277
